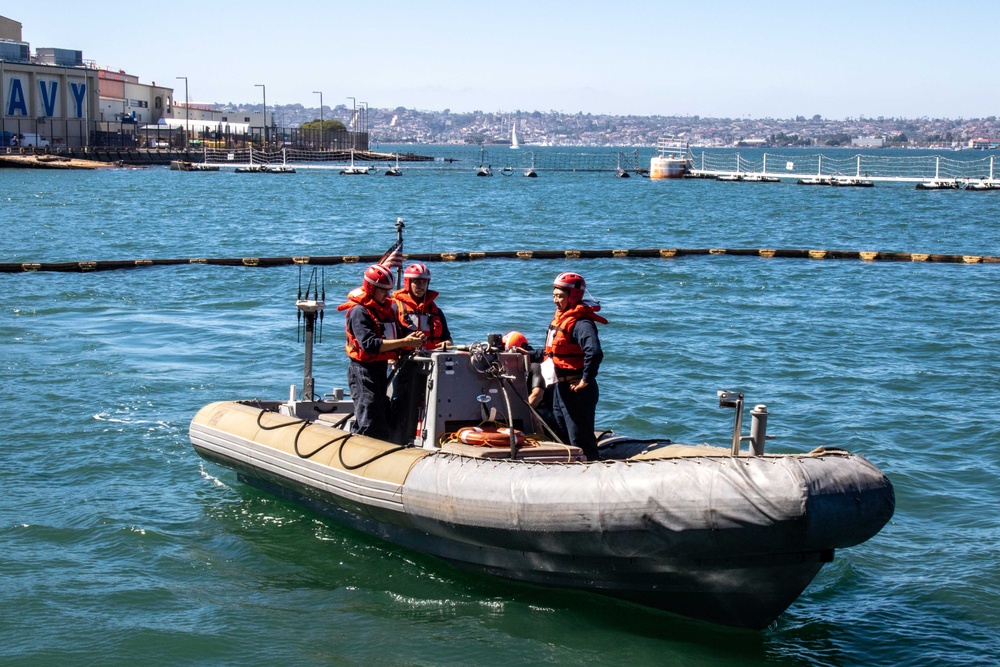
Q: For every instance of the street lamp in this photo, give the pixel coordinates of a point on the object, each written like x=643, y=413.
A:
x=322, y=129
x=187, y=114
x=263, y=90
x=364, y=120
x=354, y=119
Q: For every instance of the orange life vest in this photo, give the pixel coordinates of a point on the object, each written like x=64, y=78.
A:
x=424, y=316
x=559, y=345
x=384, y=319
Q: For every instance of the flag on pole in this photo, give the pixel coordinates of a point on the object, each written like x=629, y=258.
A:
x=393, y=257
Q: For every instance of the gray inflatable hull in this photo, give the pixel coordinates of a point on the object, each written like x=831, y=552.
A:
x=732, y=540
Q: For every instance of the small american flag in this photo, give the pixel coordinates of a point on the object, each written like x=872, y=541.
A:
x=393, y=257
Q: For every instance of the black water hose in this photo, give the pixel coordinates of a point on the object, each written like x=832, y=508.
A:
x=541, y=421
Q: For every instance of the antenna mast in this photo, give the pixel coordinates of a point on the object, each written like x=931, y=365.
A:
x=311, y=306
x=399, y=239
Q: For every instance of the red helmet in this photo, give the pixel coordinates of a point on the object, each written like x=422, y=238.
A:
x=416, y=272
x=572, y=283
x=379, y=276
x=514, y=339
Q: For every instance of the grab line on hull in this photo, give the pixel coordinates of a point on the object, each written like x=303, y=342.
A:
x=303, y=424
x=667, y=253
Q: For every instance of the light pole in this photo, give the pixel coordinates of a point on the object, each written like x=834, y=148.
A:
x=187, y=115
x=354, y=119
x=322, y=129
x=364, y=123
x=263, y=90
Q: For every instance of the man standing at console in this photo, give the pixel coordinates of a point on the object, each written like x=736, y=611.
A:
x=574, y=349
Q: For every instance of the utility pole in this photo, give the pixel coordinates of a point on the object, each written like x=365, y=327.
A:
x=264, y=90
x=354, y=122
x=187, y=115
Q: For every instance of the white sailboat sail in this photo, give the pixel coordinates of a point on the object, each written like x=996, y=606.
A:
x=513, y=135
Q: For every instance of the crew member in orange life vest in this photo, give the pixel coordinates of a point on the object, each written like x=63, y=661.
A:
x=416, y=308
x=574, y=349
x=372, y=341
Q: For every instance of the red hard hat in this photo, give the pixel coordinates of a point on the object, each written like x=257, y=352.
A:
x=418, y=271
x=379, y=276
x=514, y=339
x=572, y=283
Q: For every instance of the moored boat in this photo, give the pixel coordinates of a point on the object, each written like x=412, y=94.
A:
x=851, y=182
x=184, y=165
x=940, y=184
x=756, y=177
x=725, y=534
x=395, y=170
x=353, y=170
x=483, y=169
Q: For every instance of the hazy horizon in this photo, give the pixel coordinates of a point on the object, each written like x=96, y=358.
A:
x=726, y=59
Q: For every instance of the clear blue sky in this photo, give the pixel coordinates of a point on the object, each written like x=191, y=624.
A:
x=706, y=57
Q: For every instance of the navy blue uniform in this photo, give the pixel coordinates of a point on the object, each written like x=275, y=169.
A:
x=575, y=411
x=368, y=381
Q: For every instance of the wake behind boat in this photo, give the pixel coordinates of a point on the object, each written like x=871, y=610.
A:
x=725, y=534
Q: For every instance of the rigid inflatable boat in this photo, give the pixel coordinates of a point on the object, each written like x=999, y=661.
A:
x=731, y=535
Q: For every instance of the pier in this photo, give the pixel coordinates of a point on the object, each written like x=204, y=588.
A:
x=728, y=165
x=873, y=168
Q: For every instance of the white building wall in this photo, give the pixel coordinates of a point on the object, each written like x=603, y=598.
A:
x=48, y=100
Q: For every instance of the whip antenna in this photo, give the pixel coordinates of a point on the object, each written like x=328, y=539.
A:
x=319, y=336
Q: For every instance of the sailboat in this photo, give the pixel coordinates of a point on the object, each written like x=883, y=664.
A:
x=513, y=136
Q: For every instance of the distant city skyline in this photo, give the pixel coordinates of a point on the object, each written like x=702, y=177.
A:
x=724, y=59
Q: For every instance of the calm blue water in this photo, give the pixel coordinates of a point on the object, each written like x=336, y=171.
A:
x=119, y=544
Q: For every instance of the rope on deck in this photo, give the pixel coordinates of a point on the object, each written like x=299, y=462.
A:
x=665, y=253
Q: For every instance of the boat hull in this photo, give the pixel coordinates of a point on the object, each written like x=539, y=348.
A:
x=732, y=540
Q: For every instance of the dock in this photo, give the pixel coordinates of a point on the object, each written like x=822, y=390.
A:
x=819, y=169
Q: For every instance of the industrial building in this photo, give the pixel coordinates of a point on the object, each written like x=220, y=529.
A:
x=54, y=98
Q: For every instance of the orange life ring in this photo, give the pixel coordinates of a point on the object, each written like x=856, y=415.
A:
x=488, y=436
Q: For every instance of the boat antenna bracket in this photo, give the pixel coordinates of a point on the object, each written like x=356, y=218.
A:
x=758, y=425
